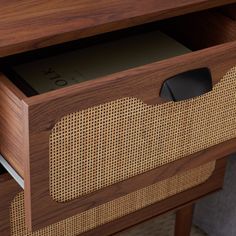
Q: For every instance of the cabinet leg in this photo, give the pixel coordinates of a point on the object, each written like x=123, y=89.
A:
x=183, y=222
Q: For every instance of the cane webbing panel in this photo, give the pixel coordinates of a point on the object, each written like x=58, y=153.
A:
x=103, y=145
x=114, y=209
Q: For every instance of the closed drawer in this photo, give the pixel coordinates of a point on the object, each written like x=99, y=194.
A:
x=206, y=178
x=89, y=143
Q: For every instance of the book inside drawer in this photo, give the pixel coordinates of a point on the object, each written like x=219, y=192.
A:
x=99, y=60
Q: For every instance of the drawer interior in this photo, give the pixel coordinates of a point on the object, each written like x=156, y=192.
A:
x=53, y=68
x=2, y=170
x=201, y=30
x=229, y=10
x=94, y=61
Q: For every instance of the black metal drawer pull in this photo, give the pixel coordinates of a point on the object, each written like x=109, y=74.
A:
x=187, y=85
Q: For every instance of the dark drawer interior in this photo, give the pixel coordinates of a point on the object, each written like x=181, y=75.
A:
x=57, y=67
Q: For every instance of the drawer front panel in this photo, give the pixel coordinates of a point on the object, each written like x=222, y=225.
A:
x=112, y=210
x=100, y=146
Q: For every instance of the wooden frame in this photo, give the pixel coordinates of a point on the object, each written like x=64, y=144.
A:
x=9, y=189
x=33, y=136
x=69, y=20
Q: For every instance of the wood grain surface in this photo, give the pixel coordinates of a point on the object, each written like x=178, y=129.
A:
x=183, y=220
x=30, y=24
x=11, y=129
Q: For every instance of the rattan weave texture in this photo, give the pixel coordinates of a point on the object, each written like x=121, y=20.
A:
x=100, y=146
x=114, y=209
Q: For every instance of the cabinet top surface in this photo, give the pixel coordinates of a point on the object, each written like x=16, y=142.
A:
x=30, y=24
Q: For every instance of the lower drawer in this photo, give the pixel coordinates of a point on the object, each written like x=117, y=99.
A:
x=86, y=144
x=167, y=193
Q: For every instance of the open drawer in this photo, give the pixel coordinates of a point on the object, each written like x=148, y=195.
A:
x=89, y=143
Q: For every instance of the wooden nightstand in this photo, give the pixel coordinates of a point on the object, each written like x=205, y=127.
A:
x=112, y=150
